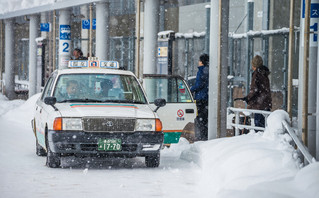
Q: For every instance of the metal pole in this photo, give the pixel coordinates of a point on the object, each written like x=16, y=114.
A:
x=285, y=71
x=231, y=72
x=1, y=52
x=213, y=71
x=102, y=30
x=130, y=47
x=224, y=23
x=317, y=110
x=265, y=26
x=290, y=58
x=238, y=62
x=33, y=34
x=305, y=74
x=122, y=51
x=162, y=16
x=91, y=31
x=250, y=24
x=138, y=35
x=150, y=35
x=219, y=68
x=191, y=44
x=186, y=51
x=207, y=29
x=9, y=59
x=54, y=40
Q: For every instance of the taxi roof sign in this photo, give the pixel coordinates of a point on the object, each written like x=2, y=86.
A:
x=94, y=63
x=78, y=63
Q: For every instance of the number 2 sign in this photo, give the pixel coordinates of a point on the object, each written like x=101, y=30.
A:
x=65, y=39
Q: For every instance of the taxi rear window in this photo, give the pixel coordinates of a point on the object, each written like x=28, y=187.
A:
x=173, y=89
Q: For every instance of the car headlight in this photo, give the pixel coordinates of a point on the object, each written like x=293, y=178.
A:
x=72, y=124
x=67, y=124
x=145, y=125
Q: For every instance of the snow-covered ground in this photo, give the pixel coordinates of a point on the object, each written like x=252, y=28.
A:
x=253, y=165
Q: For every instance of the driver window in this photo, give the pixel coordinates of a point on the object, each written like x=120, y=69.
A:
x=48, y=88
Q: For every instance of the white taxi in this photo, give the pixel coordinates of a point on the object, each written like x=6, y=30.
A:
x=95, y=109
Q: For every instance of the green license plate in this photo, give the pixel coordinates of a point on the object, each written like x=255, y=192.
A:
x=110, y=145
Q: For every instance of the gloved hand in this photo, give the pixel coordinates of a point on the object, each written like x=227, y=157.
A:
x=243, y=99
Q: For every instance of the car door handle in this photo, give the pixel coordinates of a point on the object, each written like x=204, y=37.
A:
x=189, y=110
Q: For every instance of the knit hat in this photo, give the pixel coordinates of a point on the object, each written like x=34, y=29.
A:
x=257, y=61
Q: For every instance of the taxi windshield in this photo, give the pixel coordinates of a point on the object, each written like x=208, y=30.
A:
x=98, y=88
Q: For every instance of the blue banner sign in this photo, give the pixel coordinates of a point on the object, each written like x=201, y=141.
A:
x=45, y=27
x=65, y=32
x=86, y=24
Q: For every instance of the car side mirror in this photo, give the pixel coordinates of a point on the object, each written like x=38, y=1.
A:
x=159, y=102
x=50, y=100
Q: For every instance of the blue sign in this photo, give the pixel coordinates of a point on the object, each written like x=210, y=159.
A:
x=314, y=10
x=86, y=24
x=45, y=27
x=65, y=32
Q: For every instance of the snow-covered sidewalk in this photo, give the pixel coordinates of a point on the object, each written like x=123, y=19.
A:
x=253, y=165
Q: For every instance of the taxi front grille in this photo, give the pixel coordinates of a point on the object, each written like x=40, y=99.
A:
x=108, y=124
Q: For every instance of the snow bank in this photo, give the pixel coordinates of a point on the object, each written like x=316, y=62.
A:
x=274, y=123
x=236, y=166
x=6, y=105
x=23, y=112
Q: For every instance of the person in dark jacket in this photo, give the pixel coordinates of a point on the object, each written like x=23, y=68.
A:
x=259, y=96
x=78, y=54
x=200, y=91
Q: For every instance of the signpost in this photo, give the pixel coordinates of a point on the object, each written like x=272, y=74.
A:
x=86, y=24
x=65, y=43
x=45, y=27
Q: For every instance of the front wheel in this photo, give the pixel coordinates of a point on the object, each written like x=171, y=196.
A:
x=152, y=160
x=53, y=159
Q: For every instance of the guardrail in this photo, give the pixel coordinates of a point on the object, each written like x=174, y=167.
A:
x=246, y=112
x=300, y=146
x=249, y=112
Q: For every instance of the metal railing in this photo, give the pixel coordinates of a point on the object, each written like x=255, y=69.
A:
x=249, y=112
x=300, y=146
x=246, y=112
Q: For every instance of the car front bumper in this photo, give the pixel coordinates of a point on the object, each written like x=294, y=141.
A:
x=86, y=143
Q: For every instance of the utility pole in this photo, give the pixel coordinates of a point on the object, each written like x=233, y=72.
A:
x=138, y=35
x=290, y=62
x=305, y=74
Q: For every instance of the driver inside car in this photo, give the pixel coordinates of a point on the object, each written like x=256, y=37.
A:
x=72, y=88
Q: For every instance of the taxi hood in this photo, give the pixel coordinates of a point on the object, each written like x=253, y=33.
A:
x=105, y=110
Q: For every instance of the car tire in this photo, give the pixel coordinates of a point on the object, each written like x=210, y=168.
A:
x=152, y=160
x=40, y=151
x=53, y=159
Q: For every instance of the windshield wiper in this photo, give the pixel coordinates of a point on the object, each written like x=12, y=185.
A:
x=124, y=101
x=80, y=100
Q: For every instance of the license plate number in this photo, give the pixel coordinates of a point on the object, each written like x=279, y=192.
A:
x=110, y=145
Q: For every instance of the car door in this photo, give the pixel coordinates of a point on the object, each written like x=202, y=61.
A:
x=180, y=111
x=41, y=112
